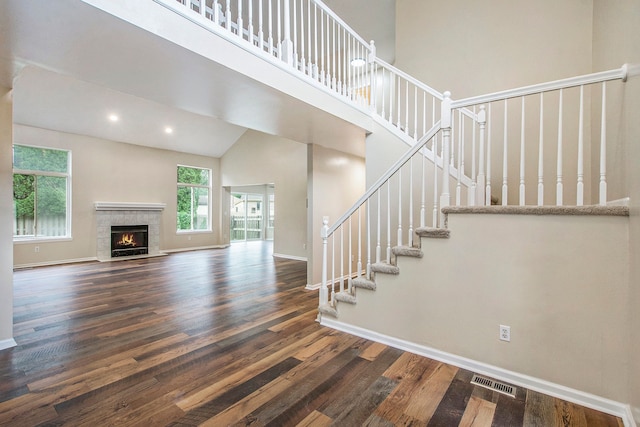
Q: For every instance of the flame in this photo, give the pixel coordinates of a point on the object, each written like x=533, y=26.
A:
x=127, y=239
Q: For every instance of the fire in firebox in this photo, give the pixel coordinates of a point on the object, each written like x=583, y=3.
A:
x=127, y=239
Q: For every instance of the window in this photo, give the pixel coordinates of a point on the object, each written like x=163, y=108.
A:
x=41, y=192
x=194, y=187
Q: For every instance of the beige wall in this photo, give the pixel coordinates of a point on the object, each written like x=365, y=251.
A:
x=616, y=39
x=471, y=48
x=257, y=158
x=336, y=181
x=109, y=171
x=541, y=275
x=6, y=209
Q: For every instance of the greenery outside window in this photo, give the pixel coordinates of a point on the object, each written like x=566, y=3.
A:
x=194, y=201
x=41, y=193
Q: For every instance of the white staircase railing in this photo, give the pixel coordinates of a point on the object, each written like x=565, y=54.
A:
x=463, y=135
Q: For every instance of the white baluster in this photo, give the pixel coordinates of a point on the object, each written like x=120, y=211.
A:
x=324, y=287
x=434, y=149
x=240, y=22
x=216, y=11
x=522, y=157
x=541, y=154
x=203, y=8
x=482, y=177
x=389, y=221
x=399, y=103
x=322, y=54
x=333, y=269
x=460, y=157
x=505, y=185
x=250, y=25
x=423, y=192
x=360, y=247
x=315, y=42
x=415, y=113
x=372, y=77
x=303, y=61
x=472, y=192
x=378, y=246
x=270, y=26
x=383, y=95
x=333, y=64
x=445, y=118
x=487, y=193
x=368, y=240
x=279, y=28
x=400, y=207
x=341, y=258
x=392, y=86
x=559, y=185
x=406, y=107
x=260, y=26
x=227, y=15
x=350, y=262
x=603, y=147
x=580, y=189
x=410, y=237
x=294, y=41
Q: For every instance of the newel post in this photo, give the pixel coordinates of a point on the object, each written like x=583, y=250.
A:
x=445, y=124
x=324, y=286
x=372, y=77
x=481, y=181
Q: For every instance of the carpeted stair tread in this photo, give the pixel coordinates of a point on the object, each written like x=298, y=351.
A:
x=407, y=251
x=346, y=297
x=363, y=283
x=434, y=233
x=383, y=267
x=328, y=310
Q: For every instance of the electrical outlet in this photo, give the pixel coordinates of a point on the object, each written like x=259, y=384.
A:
x=36, y=249
x=505, y=333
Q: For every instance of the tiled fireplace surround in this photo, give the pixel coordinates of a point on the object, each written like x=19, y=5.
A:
x=120, y=213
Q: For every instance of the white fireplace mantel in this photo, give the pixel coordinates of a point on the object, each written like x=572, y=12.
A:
x=129, y=206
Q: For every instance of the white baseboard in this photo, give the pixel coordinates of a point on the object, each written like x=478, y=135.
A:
x=292, y=257
x=556, y=390
x=48, y=263
x=4, y=344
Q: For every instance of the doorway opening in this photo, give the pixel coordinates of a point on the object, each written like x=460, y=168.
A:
x=252, y=213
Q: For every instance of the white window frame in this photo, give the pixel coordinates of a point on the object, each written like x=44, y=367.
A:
x=68, y=176
x=209, y=228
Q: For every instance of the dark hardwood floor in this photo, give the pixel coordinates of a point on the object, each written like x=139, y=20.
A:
x=224, y=337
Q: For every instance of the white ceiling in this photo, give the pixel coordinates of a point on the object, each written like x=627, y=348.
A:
x=84, y=64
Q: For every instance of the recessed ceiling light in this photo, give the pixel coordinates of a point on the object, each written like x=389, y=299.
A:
x=113, y=118
x=357, y=62
x=168, y=130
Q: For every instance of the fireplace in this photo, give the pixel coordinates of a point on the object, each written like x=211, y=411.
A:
x=129, y=240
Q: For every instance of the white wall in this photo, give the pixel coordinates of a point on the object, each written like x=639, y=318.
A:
x=6, y=209
x=335, y=182
x=541, y=275
x=257, y=158
x=109, y=171
x=616, y=39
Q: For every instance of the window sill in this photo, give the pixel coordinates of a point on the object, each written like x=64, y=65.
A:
x=27, y=240
x=183, y=232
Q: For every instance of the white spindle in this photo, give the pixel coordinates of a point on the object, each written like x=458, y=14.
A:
x=423, y=192
x=392, y=85
x=203, y=8
x=378, y=247
x=406, y=107
x=445, y=117
x=350, y=259
x=324, y=284
x=333, y=50
x=360, y=247
x=400, y=207
x=410, y=231
x=260, y=26
x=279, y=27
x=316, y=74
x=341, y=258
x=333, y=270
x=482, y=178
x=505, y=185
x=250, y=24
x=580, y=187
x=472, y=192
x=383, y=94
x=603, y=147
x=522, y=157
x=216, y=12
x=369, y=239
x=240, y=22
x=460, y=157
x=559, y=185
x=270, y=13
x=415, y=113
x=398, y=103
x=541, y=154
x=487, y=193
x=434, y=149
x=322, y=54
x=227, y=15
x=389, y=221
x=295, y=33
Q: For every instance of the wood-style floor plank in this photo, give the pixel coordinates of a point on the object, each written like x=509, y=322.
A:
x=224, y=337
